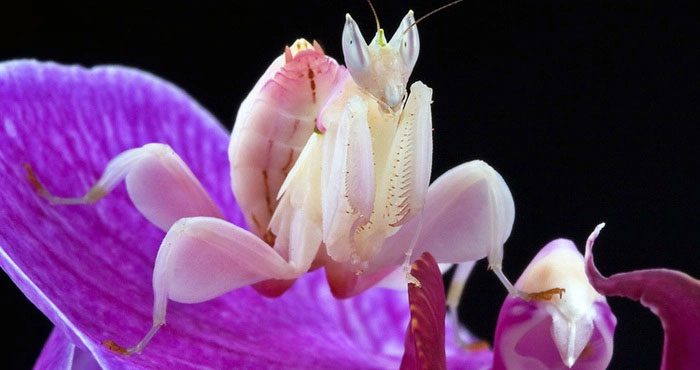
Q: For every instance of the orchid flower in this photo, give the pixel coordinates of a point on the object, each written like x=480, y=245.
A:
x=88, y=268
x=570, y=327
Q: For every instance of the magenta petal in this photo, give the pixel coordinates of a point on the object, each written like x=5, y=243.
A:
x=60, y=353
x=57, y=352
x=425, y=338
x=426, y=346
x=671, y=295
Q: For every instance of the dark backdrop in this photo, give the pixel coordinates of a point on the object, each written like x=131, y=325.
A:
x=588, y=109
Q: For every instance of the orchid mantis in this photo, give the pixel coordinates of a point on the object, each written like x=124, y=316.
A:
x=331, y=166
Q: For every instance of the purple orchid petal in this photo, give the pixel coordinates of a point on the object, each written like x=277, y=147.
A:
x=89, y=268
x=425, y=338
x=671, y=295
x=60, y=353
x=545, y=334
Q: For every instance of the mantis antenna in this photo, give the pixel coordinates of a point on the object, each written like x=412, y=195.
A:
x=455, y=2
x=376, y=17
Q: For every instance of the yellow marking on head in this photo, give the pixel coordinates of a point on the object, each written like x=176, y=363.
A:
x=300, y=45
x=381, y=38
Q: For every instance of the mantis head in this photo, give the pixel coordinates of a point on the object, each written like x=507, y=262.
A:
x=382, y=68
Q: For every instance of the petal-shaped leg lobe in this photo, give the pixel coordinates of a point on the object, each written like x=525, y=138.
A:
x=273, y=288
x=204, y=257
x=468, y=215
x=159, y=183
x=345, y=281
x=164, y=189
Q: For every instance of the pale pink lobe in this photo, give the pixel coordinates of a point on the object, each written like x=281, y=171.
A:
x=272, y=126
x=203, y=257
x=671, y=295
x=574, y=331
x=345, y=281
x=468, y=215
x=163, y=188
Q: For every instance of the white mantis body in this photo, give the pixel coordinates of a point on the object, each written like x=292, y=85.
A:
x=331, y=167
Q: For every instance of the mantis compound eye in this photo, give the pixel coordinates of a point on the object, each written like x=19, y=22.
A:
x=355, y=50
x=406, y=40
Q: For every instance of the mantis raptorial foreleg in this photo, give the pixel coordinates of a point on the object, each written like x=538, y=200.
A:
x=159, y=183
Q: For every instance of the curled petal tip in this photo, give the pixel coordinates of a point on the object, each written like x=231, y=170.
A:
x=671, y=295
x=593, y=237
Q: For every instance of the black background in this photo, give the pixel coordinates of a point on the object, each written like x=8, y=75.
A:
x=588, y=109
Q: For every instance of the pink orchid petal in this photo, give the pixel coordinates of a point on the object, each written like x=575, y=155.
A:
x=671, y=295
x=89, y=268
x=425, y=340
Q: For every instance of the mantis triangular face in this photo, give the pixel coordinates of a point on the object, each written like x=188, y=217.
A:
x=382, y=68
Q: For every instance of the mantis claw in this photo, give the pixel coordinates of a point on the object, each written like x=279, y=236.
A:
x=93, y=195
x=114, y=347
